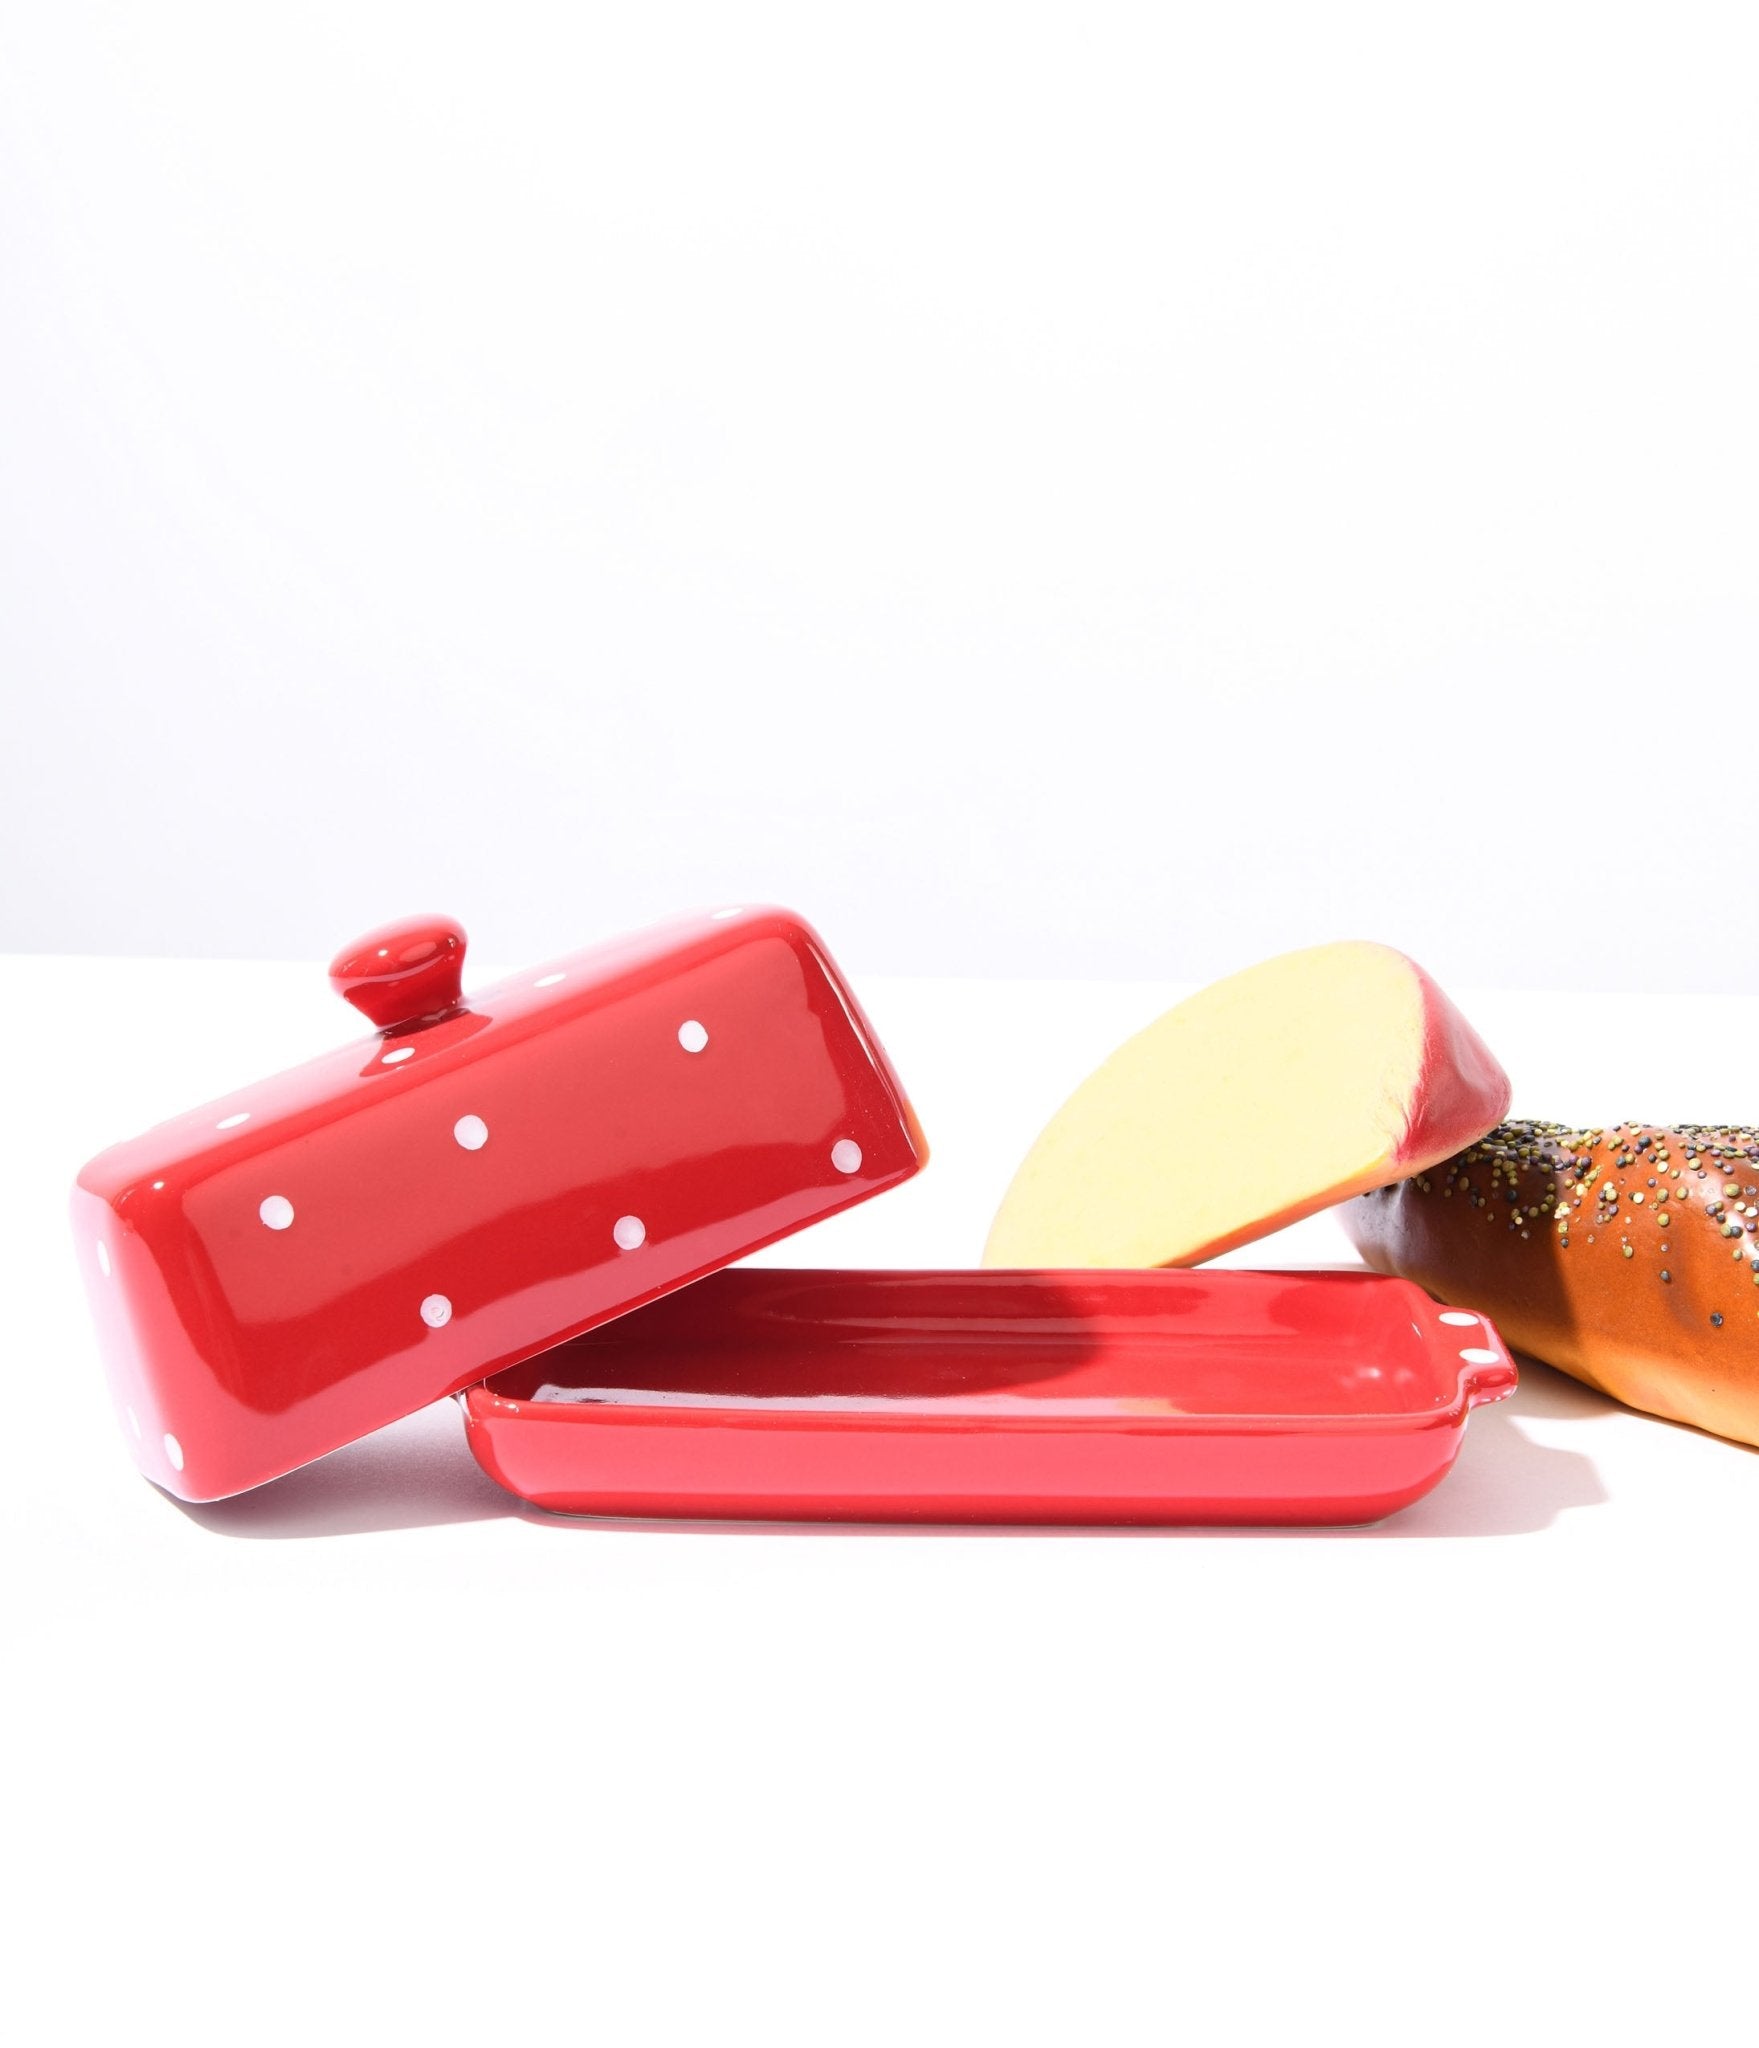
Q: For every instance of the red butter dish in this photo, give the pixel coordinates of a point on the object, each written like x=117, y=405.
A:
x=1114, y=1396
x=289, y=1268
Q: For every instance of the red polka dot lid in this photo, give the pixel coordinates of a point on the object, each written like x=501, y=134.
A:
x=285, y=1270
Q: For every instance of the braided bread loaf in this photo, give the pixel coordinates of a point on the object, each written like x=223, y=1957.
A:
x=1628, y=1257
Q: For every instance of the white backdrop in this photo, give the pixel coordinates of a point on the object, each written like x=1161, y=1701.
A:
x=1049, y=491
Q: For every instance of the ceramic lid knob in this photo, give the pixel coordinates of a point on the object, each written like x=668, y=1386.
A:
x=403, y=972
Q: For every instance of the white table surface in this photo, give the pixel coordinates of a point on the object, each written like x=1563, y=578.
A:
x=375, y=1754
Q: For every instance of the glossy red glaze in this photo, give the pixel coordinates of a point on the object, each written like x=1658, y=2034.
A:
x=405, y=973
x=1162, y=1396
x=284, y=1270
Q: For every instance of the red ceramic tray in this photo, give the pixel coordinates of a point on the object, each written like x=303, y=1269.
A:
x=995, y=1396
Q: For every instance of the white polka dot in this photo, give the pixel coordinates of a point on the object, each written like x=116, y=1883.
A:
x=1475, y=1354
x=436, y=1311
x=471, y=1132
x=1457, y=1315
x=133, y=1422
x=174, y=1451
x=403, y=1052
x=691, y=1035
x=103, y=1258
x=846, y=1156
x=548, y=980
x=276, y=1211
x=630, y=1233
x=737, y=910
x=231, y=1123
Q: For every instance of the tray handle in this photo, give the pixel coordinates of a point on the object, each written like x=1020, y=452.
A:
x=1489, y=1373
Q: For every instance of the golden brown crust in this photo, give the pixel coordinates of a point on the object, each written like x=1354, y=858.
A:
x=1628, y=1256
